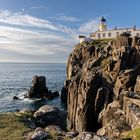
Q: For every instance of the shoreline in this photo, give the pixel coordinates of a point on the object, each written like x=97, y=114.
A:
x=16, y=79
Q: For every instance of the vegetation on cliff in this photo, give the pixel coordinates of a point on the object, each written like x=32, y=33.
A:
x=131, y=135
x=12, y=126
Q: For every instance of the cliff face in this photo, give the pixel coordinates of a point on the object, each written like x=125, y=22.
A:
x=102, y=75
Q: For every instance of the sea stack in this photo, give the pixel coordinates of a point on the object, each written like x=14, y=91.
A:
x=38, y=88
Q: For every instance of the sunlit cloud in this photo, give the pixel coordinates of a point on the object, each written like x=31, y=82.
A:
x=27, y=38
x=25, y=20
x=32, y=42
x=90, y=26
x=66, y=18
x=39, y=7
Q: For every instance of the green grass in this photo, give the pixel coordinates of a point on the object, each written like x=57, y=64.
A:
x=104, y=40
x=131, y=135
x=12, y=127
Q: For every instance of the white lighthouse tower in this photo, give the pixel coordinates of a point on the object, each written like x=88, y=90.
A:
x=102, y=24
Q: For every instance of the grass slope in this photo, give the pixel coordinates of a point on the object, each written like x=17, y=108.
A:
x=131, y=135
x=12, y=127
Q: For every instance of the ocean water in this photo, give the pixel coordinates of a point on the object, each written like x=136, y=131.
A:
x=16, y=78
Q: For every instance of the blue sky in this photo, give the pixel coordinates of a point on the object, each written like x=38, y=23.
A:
x=46, y=30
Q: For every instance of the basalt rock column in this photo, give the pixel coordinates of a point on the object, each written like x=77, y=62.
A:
x=38, y=88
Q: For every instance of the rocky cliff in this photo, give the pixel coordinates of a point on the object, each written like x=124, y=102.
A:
x=103, y=86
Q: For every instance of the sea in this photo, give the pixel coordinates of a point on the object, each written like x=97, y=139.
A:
x=16, y=79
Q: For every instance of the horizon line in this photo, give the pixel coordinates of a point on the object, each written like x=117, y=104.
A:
x=34, y=62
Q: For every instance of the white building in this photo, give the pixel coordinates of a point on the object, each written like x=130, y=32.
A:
x=104, y=33
x=84, y=39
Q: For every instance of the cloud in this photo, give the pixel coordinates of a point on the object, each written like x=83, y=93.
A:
x=27, y=38
x=66, y=18
x=25, y=35
x=39, y=7
x=90, y=26
x=23, y=40
x=25, y=20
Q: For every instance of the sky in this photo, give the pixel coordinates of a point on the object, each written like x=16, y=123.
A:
x=46, y=31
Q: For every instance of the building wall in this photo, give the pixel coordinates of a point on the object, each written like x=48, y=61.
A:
x=84, y=40
x=113, y=33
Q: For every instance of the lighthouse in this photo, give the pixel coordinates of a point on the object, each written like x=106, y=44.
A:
x=104, y=33
x=102, y=24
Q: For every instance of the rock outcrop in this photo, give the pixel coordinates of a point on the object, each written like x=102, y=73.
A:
x=88, y=136
x=50, y=115
x=101, y=76
x=38, y=134
x=40, y=90
x=48, y=121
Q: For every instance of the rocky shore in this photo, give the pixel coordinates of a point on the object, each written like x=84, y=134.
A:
x=101, y=95
x=46, y=123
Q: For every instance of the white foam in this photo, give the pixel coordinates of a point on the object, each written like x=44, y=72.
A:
x=22, y=95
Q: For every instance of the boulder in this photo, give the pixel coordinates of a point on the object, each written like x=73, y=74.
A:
x=46, y=110
x=114, y=129
x=131, y=106
x=113, y=121
x=72, y=134
x=52, y=128
x=50, y=115
x=39, y=134
x=55, y=130
x=15, y=97
x=88, y=136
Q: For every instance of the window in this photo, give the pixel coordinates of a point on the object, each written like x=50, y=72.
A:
x=103, y=34
x=109, y=34
x=98, y=35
